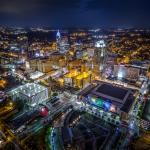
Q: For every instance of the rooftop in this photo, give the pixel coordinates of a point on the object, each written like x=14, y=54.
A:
x=72, y=74
x=82, y=75
x=112, y=91
x=118, y=96
x=29, y=89
x=36, y=74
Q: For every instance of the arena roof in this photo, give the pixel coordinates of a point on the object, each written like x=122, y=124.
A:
x=112, y=91
x=119, y=96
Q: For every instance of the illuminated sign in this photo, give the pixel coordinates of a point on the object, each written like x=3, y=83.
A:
x=93, y=99
x=106, y=105
x=112, y=108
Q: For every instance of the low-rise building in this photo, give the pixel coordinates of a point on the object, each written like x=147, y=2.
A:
x=31, y=93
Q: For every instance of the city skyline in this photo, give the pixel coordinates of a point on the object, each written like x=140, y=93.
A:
x=74, y=75
x=74, y=89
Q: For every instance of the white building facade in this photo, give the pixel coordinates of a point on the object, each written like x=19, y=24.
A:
x=32, y=94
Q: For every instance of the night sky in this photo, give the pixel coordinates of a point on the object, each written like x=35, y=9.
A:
x=75, y=13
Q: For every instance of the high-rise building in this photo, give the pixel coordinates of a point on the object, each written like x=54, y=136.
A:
x=58, y=37
x=62, y=43
x=101, y=54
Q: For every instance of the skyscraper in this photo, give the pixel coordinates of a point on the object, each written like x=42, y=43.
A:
x=101, y=54
x=62, y=43
x=58, y=36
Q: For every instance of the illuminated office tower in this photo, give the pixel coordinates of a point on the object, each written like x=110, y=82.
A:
x=101, y=54
x=58, y=37
x=62, y=43
x=58, y=40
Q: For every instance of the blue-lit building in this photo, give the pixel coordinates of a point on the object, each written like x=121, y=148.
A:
x=109, y=97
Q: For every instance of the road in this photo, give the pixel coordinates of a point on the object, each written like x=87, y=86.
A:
x=120, y=83
x=10, y=137
x=36, y=126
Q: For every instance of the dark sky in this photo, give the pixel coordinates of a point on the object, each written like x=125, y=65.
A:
x=75, y=13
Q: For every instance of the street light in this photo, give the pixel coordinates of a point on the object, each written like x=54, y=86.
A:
x=10, y=103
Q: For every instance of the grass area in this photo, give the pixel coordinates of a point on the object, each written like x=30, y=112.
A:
x=47, y=138
x=140, y=111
